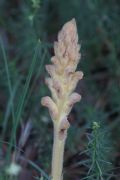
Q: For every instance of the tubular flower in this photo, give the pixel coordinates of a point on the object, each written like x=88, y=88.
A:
x=63, y=78
x=62, y=83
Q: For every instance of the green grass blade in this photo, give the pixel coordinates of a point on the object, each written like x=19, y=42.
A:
x=8, y=76
x=22, y=98
x=38, y=169
x=8, y=109
x=37, y=75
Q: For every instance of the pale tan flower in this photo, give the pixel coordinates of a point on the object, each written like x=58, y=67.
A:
x=63, y=78
x=62, y=83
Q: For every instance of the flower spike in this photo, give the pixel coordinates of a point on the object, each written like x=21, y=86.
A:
x=62, y=82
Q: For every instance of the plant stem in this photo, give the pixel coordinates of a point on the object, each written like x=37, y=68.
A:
x=58, y=153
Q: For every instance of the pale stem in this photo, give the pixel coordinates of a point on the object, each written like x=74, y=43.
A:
x=58, y=153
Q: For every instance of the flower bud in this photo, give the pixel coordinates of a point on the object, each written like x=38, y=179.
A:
x=48, y=102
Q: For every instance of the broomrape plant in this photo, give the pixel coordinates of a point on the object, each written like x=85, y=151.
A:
x=62, y=82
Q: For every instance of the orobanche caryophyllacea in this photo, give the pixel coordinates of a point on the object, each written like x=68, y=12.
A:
x=62, y=82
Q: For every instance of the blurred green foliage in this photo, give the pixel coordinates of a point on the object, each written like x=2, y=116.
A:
x=27, y=32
